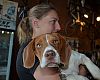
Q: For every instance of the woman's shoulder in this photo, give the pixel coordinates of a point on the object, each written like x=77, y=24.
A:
x=24, y=44
x=19, y=60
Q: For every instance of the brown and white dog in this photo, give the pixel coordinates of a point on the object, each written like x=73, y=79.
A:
x=51, y=50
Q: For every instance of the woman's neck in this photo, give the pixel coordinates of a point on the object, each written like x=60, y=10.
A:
x=48, y=70
x=36, y=33
x=47, y=73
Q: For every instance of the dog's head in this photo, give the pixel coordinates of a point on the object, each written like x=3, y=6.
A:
x=51, y=50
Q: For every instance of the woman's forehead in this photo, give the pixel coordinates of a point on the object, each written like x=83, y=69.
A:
x=51, y=15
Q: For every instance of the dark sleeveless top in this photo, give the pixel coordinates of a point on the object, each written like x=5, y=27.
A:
x=24, y=73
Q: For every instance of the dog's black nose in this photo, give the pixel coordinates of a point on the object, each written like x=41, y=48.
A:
x=50, y=54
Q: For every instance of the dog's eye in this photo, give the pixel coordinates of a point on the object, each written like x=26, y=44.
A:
x=55, y=42
x=38, y=45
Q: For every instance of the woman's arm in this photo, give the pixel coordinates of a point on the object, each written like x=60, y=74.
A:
x=23, y=73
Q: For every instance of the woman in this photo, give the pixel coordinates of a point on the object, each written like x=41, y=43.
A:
x=42, y=19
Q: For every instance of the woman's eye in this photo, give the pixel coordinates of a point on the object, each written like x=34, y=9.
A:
x=38, y=45
x=53, y=22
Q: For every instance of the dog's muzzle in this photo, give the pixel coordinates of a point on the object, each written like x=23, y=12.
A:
x=50, y=54
x=50, y=57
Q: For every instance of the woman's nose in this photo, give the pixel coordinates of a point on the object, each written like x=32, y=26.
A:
x=58, y=27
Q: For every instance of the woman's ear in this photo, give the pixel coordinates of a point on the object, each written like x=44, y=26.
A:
x=35, y=23
x=29, y=55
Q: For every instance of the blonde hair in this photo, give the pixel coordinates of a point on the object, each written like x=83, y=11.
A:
x=25, y=30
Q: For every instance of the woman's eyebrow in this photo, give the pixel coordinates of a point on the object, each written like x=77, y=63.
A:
x=55, y=18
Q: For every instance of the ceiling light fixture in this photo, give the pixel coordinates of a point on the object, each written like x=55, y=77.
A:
x=98, y=18
x=85, y=15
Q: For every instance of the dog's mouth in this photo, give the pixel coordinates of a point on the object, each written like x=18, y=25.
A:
x=52, y=64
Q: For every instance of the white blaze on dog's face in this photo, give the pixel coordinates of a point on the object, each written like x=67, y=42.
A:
x=49, y=48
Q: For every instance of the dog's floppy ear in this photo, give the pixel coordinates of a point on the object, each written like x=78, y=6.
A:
x=68, y=52
x=65, y=51
x=29, y=55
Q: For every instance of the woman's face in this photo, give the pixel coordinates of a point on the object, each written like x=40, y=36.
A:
x=48, y=23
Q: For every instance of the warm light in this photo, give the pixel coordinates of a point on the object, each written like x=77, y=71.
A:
x=7, y=32
x=82, y=23
x=85, y=15
x=77, y=21
x=98, y=18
